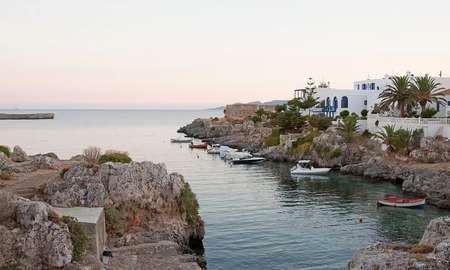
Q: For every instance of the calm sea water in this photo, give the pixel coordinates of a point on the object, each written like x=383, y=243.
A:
x=257, y=217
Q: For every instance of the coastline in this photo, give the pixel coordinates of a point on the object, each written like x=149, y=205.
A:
x=26, y=116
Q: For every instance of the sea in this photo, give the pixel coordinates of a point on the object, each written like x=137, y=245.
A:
x=256, y=216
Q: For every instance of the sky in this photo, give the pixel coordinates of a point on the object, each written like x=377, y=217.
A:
x=205, y=53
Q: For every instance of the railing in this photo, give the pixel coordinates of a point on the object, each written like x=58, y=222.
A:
x=417, y=121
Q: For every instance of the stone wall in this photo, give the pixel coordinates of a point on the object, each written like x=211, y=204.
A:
x=243, y=111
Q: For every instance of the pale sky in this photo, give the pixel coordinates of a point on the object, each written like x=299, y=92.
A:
x=158, y=54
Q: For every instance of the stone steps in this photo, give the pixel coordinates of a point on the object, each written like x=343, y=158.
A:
x=163, y=255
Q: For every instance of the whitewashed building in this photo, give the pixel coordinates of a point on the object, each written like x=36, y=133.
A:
x=364, y=95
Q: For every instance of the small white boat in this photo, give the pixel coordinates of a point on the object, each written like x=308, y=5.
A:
x=225, y=150
x=182, y=140
x=248, y=160
x=237, y=155
x=394, y=201
x=305, y=167
x=214, y=149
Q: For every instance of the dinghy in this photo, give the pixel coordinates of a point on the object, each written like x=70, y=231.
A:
x=198, y=146
x=248, y=160
x=304, y=167
x=394, y=201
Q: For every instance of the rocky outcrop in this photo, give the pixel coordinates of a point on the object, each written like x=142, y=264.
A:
x=31, y=235
x=153, y=205
x=432, y=150
x=432, y=252
x=432, y=182
x=18, y=155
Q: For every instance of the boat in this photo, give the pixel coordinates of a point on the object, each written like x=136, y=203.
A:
x=394, y=201
x=225, y=150
x=248, y=160
x=237, y=155
x=181, y=140
x=198, y=146
x=214, y=149
x=304, y=167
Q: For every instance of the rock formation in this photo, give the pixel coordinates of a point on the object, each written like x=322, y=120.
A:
x=432, y=252
x=31, y=235
x=18, y=155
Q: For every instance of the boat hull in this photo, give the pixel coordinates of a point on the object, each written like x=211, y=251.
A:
x=198, y=146
x=181, y=140
x=315, y=171
x=402, y=203
x=248, y=161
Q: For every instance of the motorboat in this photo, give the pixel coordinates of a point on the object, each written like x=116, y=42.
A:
x=237, y=155
x=248, y=160
x=182, y=140
x=198, y=146
x=394, y=201
x=225, y=150
x=214, y=149
x=304, y=167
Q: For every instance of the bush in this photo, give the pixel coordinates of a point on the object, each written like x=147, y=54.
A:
x=114, y=156
x=303, y=144
x=92, y=155
x=188, y=204
x=79, y=236
x=366, y=133
x=113, y=221
x=354, y=115
x=319, y=122
x=347, y=129
x=364, y=113
x=274, y=138
x=6, y=150
x=399, y=140
x=343, y=114
x=428, y=113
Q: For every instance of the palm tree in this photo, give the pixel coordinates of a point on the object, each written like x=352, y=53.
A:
x=426, y=90
x=348, y=128
x=387, y=135
x=398, y=94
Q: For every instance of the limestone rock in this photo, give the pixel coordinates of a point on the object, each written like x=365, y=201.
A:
x=18, y=155
x=437, y=230
x=28, y=238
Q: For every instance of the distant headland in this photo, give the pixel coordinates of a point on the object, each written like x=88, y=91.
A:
x=26, y=116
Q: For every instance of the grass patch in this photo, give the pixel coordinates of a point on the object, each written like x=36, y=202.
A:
x=114, y=156
x=188, y=204
x=274, y=138
x=78, y=235
x=6, y=150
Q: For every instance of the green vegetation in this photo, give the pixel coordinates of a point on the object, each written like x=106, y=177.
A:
x=113, y=221
x=79, y=236
x=114, y=156
x=274, y=138
x=405, y=94
x=343, y=114
x=327, y=152
x=319, y=122
x=303, y=144
x=364, y=113
x=366, y=133
x=400, y=140
x=10, y=266
x=188, y=204
x=6, y=150
x=428, y=113
x=348, y=128
x=290, y=120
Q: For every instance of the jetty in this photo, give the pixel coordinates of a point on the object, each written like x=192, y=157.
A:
x=26, y=116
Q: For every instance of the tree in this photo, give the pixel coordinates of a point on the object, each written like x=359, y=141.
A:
x=343, y=114
x=364, y=113
x=398, y=95
x=290, y=120
x=348, y=128
x=426, y=90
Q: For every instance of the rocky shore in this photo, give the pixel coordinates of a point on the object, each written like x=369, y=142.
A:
x=151, y=216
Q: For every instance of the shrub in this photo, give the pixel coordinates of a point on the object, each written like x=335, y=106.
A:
x=428, y=113
x=274, y=138
x=347, y=129
x=354, y=115
x=303, y=144
x=319, y=122
x=343, y=114
x=6, y=150
x=92, y=155
x=114, y=156
x=188, y=204
x=366, y=133
x=399, y=140
x=79, y=236
x=364, y=113
x=113, y=221
x=255, y=119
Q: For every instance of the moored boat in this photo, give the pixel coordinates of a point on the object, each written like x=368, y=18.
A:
x=248, y=160
x=181, y=140
x=394, y=201
x=214, y=149
x=304, y=167
x=198, y=146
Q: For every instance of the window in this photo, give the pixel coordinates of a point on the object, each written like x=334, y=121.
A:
x=365, y=102
x=335, y=102
x=344, y=102
x=364, y=86
x=357, y=87
x=372, y=86
x=328, y=102
x=448, y=102
x=378, y=88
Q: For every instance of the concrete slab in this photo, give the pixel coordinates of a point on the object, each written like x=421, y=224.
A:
x=94, y=221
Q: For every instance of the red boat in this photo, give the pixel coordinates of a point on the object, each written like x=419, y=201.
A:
x=394, y=201
x=198, y=146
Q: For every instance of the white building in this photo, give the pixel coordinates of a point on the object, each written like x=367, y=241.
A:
x=364, y=95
